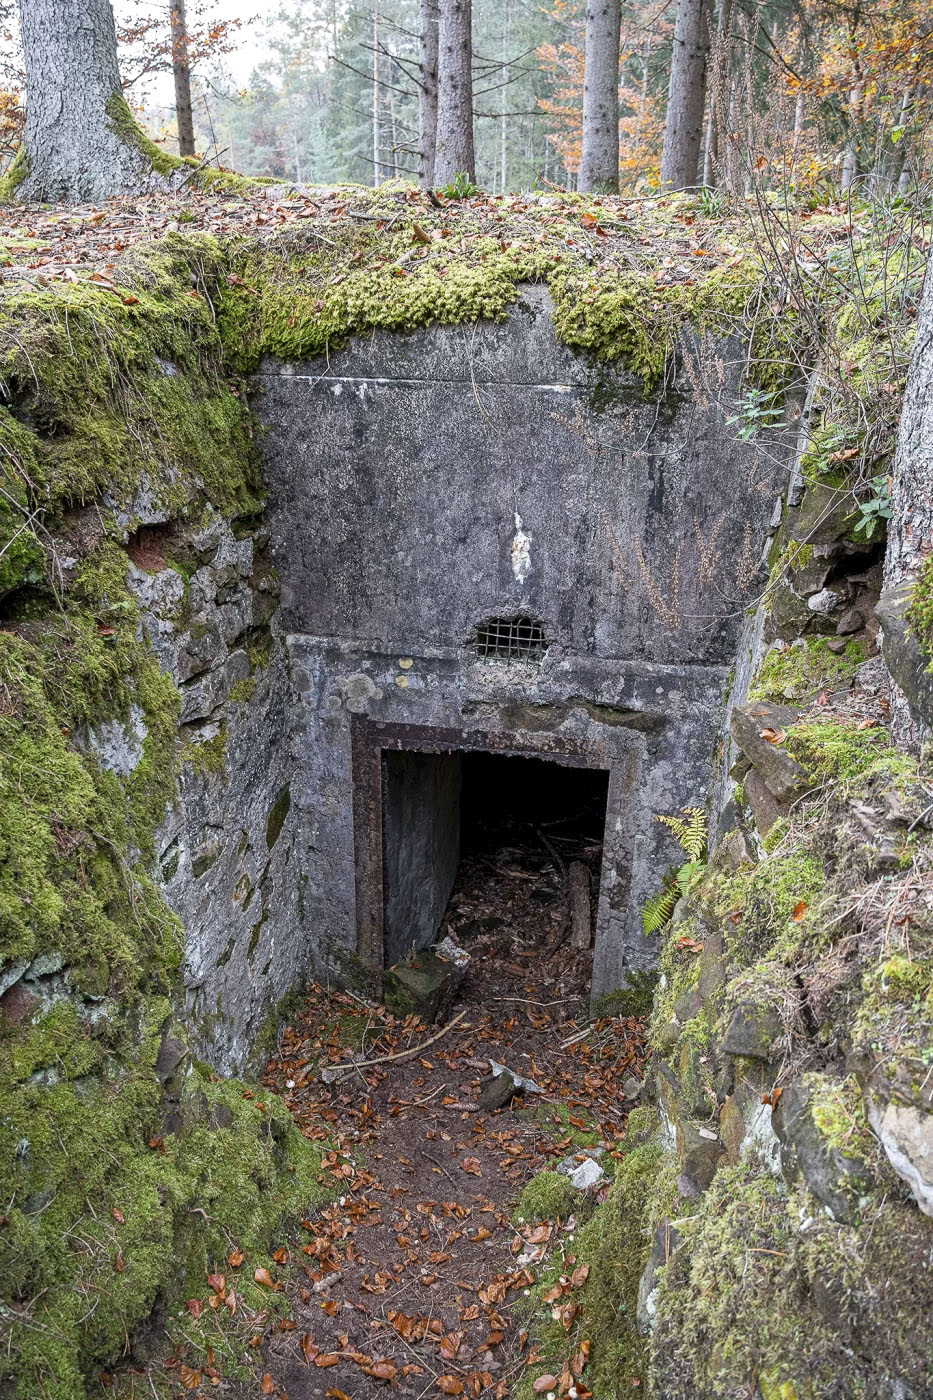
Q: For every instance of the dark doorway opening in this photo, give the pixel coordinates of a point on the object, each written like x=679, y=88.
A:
x=501, y=852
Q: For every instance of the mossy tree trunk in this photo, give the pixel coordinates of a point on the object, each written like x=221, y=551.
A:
x=599, y=163
x=455, y=154
x=76, y=148
x=427, y=92
x=686, y=99
x=910, y=534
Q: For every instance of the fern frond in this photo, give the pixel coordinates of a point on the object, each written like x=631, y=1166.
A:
x=690, y=830
x=659, y=908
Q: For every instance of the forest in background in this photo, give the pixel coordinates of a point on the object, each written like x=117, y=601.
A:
x=806, y=96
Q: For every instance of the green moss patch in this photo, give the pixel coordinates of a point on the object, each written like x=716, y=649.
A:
x=801, y=671
x=547, y=1196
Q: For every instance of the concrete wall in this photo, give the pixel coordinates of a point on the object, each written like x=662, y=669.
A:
x=420, y=484
x=421, y=846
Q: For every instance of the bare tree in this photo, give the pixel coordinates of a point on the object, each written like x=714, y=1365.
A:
x=78, y=143
x=427, y=92
x=454, y=151
x=910, y=539
x=599, y=163
x=181, y=71
x=686, y=97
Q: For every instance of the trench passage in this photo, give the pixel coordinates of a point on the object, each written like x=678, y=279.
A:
x=411, y=1277
x=504, y=855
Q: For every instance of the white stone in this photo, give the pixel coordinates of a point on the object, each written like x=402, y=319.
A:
x=906, y=1135
x=585, y=1174
x=825, y=601
x=118, y=745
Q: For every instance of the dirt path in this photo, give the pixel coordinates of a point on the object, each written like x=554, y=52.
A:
x=412, y=1276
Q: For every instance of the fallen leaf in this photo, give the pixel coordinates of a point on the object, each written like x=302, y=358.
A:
x=118, y=1264
x=236, y=1258
x=327, y=1358
x=451, y=1345
x=543, y=1383
x=217, y=1281
x=264, y=1277
x=800, y=908
x=472, y=1166
x=580, y=1275
x=118, y=1215
x=308, y=1349
x=450, y=1385
x=383, y=1370
x=773, y=736
x=195, y=1307
x=189, y=1377
x=267, y=1385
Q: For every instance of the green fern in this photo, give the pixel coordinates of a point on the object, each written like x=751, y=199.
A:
x=691, y=832
x=659, y=908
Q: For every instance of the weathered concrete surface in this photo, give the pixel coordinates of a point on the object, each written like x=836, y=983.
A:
x=421, y=484
x=421, y=846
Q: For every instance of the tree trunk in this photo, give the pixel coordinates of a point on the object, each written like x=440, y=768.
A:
x=455, y=154
x=718, y=93
x=683, y=128
x=427, y=93
x=599, y=162
x=181, y=72
x=377, y=168
x=79, y=144
x=910, y=539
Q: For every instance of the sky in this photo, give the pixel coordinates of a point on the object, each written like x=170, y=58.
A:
x=248, y=51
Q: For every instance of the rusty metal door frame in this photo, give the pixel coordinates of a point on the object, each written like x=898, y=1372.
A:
x=369, y=739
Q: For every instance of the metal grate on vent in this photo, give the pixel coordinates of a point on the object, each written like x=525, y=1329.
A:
x=518, y=638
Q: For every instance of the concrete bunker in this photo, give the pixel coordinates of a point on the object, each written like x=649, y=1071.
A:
x=487, y=544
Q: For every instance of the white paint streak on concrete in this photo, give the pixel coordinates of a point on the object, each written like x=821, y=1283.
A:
x=521, y=552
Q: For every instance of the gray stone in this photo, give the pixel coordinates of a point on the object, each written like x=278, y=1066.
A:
x=11, y=975
x=425, y=987
x=850, y=621
x=498, y=1091
x=903, y=656
x=45, y=965
x=835, y=1179
x=752, y=1031
x=699, y=1151
x=765, y=807
x=664, y=1242
x=734, y=849
x=200, y=698
x=826, y=514
x=749, y=726
x=631, y=1088
x=172, y=1054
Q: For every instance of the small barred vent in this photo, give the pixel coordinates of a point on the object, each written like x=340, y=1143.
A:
x=510, y=639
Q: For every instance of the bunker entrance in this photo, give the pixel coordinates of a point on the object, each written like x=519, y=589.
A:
x=503, y=853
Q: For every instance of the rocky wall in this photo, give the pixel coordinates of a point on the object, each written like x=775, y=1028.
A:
x=788, y=1227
